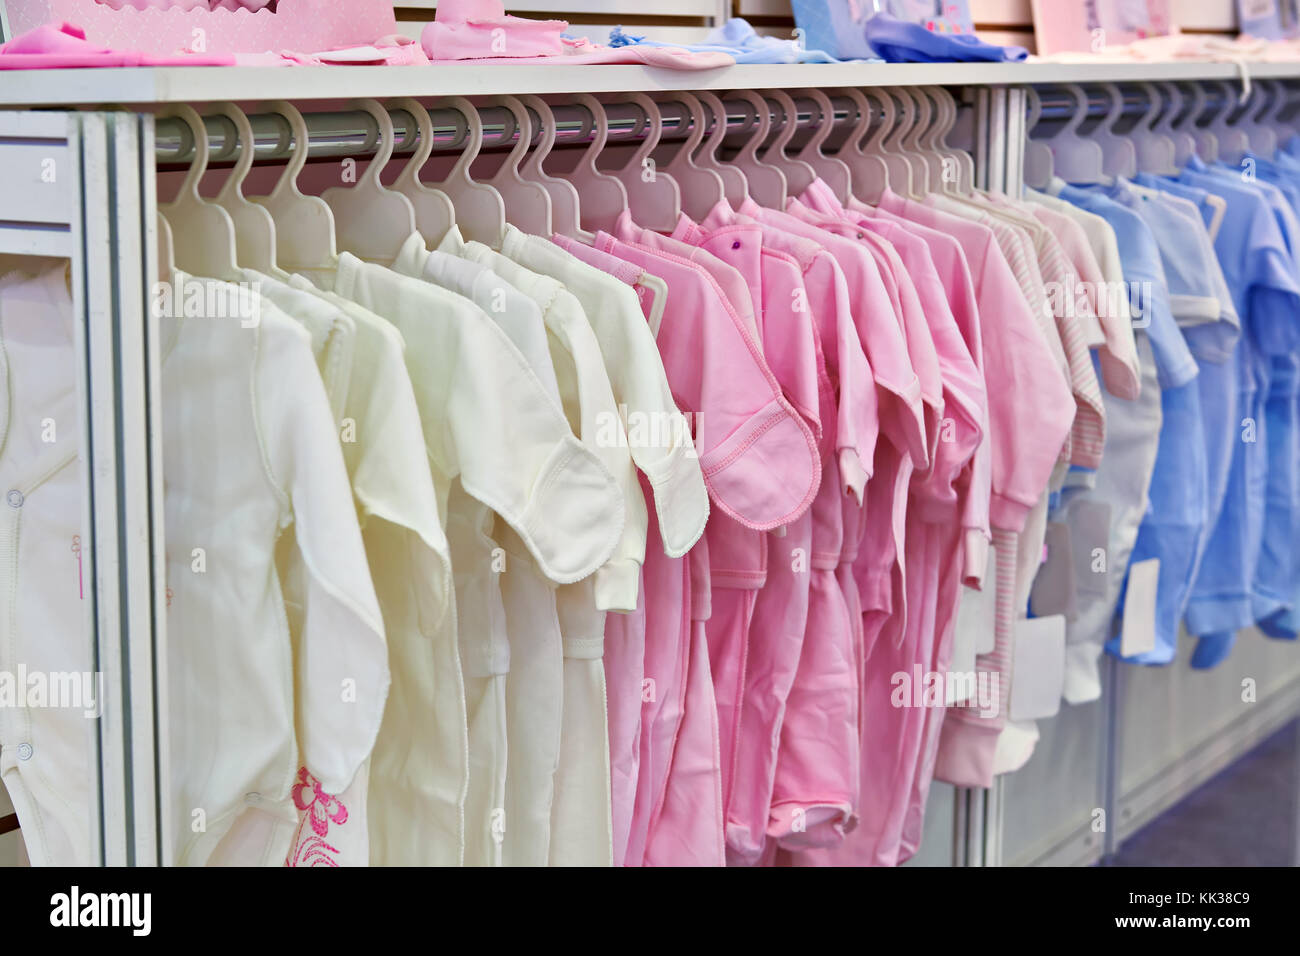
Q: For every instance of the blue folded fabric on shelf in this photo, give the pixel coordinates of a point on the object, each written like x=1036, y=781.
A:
x=737, y=38
x=899, y=41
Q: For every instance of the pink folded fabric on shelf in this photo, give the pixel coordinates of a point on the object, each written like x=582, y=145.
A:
x=581, y=51
x=393, y=50
x=64, y=46
x=159, y=4
x=252, y=5
x=480, y=30
x=1183, y=46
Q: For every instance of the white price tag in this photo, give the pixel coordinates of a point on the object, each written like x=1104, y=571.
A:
x=1038, y=669
x=1138, y=634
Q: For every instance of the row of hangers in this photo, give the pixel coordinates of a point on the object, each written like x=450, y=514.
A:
x=1173, y=125
x=878, y=139
x=867, y=141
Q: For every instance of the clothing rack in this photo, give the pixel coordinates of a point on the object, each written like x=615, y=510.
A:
x=100, y=213
x=343, y=133
x=1056, y=104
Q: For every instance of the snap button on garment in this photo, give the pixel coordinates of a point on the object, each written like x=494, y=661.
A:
x=24, y=751
x=15, y=498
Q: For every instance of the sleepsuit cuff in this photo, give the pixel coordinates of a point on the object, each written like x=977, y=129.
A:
x=679, y=494
x=618, y=584
x=1006, y=512
x=771, y=438
x=853, y=476
x=966, y=752
x=572, y=491
x=1082, y=673
x=975, y=557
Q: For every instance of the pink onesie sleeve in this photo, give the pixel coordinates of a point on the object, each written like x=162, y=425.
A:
x=758, y=455
x=857, y=416
x=909, y=393
x=1031, y=412
x=1031, y=408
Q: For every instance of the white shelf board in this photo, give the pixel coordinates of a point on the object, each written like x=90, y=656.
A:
x=20, y=88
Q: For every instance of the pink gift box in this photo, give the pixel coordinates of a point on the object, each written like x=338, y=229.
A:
x=1093, y=25
x=303, y=25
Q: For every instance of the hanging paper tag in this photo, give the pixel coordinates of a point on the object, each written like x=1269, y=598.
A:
x=1090, y=542
x=1054, y=589
x=1038, y=674
x=964, y=640
x=1138, y=633
x=976, y=613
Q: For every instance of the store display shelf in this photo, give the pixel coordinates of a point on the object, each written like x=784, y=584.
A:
x=26, y=88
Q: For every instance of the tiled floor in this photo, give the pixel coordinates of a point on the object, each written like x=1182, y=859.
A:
x=1245, y=816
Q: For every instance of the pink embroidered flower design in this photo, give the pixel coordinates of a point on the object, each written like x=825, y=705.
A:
x=313, y=852
x=320, y=806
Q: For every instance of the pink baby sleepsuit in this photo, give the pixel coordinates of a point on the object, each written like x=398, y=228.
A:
x=933, y=546
x=735, y=565
x=776, y=633
x=738, y=553
x=627, y=688
x=814, y=795
x=674, y=607
x=1031, y=412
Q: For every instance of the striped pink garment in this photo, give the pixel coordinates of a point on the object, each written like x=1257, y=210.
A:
x=1017, y=247
x=970, y=736
x=1088, y=436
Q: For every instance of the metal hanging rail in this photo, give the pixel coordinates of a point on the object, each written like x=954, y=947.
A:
x=1056, y=104
x=354, y=132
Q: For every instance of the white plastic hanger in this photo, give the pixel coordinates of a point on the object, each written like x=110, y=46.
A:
x=1076, y=159
x=1153, y=149
x=1207, y=143
x=203, y=234
x=868, y=171
x=304, y=225
x=566, y=217
x=1119, y=157
x=701, y=188
x=767, y=185
x=830, y=170
x=900, y=170
x=1039, y=167
x=434, y=213
x=372, y=221
x=658, y=290
x=734, y=185
x=653, y=198
x=892, y=144
x=480, y=212
x=799, y=175
x=905, y=120
x=918, y=114
x=1233, y=142
x=963, y=182
x=603, y=195
x=528, y=204
x=922, y=141
x=1259, y=131
x=1174, y=123
x=254, y=227
x=1281, y=116
x=166, y=249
